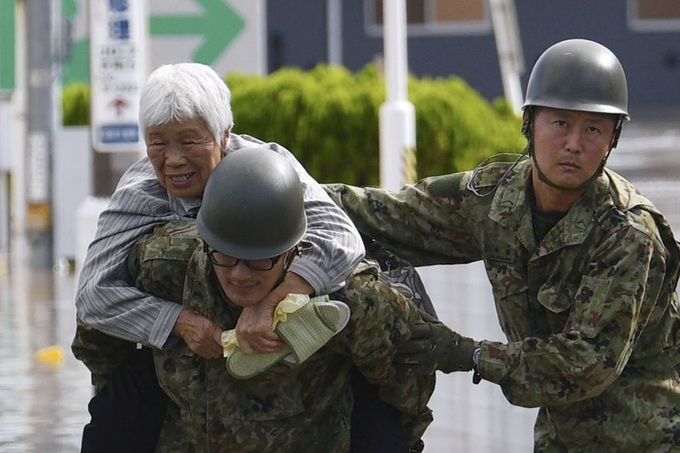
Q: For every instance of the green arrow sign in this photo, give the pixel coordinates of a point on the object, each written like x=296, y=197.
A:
x=218, y=25
x=7, y=45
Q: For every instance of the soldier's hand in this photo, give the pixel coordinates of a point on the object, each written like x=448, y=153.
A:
x=254, y=326
x=433, y=346
x=200, y=334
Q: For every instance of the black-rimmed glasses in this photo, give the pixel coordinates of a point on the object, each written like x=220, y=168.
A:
x=222, y=260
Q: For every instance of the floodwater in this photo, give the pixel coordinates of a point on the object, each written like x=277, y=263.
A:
x=43, y=404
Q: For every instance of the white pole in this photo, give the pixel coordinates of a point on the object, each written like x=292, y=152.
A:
x=334, y=32
x=397, y=115
x=510, y=59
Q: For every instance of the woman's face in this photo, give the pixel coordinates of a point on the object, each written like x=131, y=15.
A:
x=183, y=154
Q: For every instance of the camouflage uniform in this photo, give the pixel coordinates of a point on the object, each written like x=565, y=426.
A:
x=284, y=409
x=590, y=313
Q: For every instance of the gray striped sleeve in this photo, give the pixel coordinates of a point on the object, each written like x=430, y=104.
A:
x=336, y=246
x=106, y=301
x=104, y=298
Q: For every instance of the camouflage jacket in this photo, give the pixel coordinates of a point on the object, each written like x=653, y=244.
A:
x=590, y=313
x=283, y=409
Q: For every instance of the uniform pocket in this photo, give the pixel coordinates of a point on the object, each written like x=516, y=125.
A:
x=555, y=298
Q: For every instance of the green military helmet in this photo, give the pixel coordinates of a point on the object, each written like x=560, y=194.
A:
x=578, y=74
x=253, y=205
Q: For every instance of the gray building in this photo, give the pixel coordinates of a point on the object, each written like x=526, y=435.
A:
x=455, y=37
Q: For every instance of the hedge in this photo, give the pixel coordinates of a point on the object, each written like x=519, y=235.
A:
x=328, y=117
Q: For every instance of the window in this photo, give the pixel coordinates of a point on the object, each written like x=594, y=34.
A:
x=431, y=17
x=654, y=15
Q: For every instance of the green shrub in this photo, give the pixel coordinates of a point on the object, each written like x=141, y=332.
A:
x=75, y=101
x=329, y=118
x=459, y=126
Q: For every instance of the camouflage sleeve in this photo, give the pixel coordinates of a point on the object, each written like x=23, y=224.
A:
x=426, y=223
x=104, y=300
x=607, y=309
x=381, y=319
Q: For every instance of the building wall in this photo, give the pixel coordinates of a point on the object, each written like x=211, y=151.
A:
x=297, y=36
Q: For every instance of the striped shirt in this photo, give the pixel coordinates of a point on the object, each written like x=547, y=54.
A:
x=106, y=301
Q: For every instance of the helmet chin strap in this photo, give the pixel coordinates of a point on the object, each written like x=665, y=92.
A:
x=289, y=261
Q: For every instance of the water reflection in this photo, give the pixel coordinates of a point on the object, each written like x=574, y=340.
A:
x=42, y=405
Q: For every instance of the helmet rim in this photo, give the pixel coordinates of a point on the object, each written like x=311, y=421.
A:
x=580, y=75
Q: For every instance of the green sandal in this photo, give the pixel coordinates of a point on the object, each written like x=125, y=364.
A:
x=304, y=325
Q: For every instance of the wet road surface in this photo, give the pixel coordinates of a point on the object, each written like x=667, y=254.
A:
x=43, y=404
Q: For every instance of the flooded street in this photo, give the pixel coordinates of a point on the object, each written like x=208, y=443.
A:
x=43, y=404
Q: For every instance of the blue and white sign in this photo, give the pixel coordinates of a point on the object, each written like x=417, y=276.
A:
x=118, y=69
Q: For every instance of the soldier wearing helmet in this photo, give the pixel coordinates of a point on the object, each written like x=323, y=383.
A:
x=577, y=76
x=246, y=235
x=186, y=121
x=583, y=268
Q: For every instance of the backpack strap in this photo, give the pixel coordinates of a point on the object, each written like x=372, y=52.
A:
x=399, y=274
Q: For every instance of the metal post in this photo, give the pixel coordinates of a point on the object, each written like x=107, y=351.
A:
x=5, y=170
x=334, y=31
x=508, y=45
x=42, y=17
x=397, y=115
